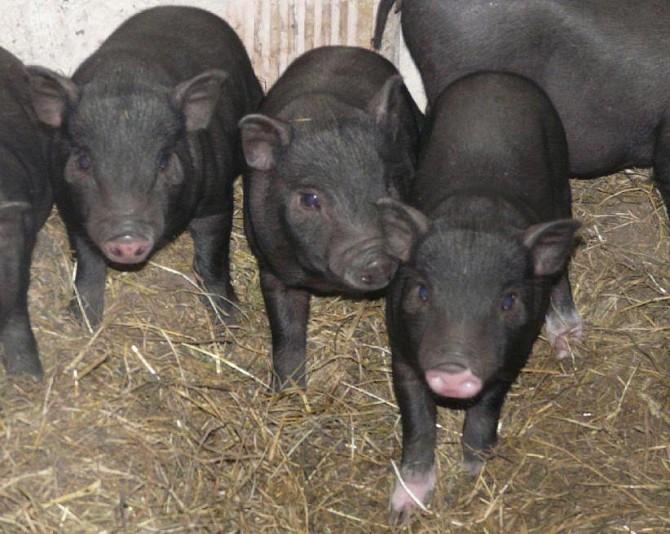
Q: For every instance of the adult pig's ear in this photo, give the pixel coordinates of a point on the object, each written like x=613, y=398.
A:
x=402, y=225
x=385, y=105
x=197, y=98
x=262, y=139
x=51, y=94
x=549, y=245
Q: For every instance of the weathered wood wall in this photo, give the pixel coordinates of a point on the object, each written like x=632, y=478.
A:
x=275, y=32
x=61, y=33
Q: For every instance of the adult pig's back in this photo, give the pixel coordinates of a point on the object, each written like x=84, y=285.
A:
x=608, y=77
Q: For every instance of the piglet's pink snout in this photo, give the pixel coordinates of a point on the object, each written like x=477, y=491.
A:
x=459, y=385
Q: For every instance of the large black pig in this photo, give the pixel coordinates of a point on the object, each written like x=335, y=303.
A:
x=148, y=145
x=607, y=77
x=605, y=64
x=336, y=134
x=25, y=202
x=491, y=241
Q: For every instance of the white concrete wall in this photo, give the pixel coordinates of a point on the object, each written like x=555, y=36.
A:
x=60, y=34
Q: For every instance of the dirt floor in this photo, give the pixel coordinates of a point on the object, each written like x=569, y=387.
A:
x=157, y=423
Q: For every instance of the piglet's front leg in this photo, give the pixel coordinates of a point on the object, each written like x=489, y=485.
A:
x=288, y=311
x=18, y=342
x=211, y=243
x=89, y=302
x=480, y=429
x=418, y=414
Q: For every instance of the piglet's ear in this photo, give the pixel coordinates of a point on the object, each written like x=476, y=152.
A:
x=402, y=225
x=385, y=105
x=197, y=98
x=51, y=95
x=262, y=139
x=550, y=244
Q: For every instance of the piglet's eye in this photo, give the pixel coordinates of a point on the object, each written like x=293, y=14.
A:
x=422, y=292
x=508, y=301
x=83, y=161
x=164, y=161
x=310, y=201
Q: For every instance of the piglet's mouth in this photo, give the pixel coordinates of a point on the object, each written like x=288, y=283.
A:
x=453, y=381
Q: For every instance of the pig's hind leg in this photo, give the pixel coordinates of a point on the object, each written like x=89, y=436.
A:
x=563, y=324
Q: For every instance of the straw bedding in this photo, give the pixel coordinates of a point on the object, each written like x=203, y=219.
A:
x=162, y=422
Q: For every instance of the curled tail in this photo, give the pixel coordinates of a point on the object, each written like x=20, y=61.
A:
x=380, y=22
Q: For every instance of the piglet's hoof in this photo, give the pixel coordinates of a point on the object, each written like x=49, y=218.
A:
x=563, y=332
x=228, y=314
x=93, y=317
x=417, y=487
x=225, y=311
x=473, y=466
x=26, y=364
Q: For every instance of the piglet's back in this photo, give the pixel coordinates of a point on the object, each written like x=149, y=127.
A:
x=169, y=44
x=494, y=132
x=351, y=76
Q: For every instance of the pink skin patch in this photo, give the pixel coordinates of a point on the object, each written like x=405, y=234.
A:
x=562, y=331
x=461, y=385
x=420, y=485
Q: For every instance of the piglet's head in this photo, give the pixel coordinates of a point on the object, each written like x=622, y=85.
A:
x=470, y=303
x=126, y=152
x=323, y=180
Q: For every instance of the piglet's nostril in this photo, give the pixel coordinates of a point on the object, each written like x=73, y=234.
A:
x=127, y=249
x=370, y=270
x=462, y=384
x=378, y=272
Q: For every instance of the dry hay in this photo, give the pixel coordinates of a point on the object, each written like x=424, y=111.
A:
x=159, y=423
